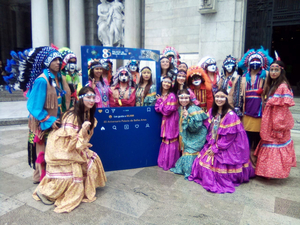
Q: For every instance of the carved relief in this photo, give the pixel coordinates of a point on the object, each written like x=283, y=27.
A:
x=207, y=6
x=111, y=23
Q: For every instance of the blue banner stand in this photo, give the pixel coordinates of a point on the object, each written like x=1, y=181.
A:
x=125, y=137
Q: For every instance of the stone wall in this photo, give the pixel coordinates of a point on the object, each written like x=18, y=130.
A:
x=179, y=23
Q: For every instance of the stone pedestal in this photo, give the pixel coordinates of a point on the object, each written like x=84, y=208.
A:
x=59, y=23
x=77, y=27
x=40, y=23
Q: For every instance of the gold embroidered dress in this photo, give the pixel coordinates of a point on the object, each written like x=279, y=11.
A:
x=73, y=171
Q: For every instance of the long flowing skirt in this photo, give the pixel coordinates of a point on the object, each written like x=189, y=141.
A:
x=184, y=164
x=274, y=160
x=217, y=177
x=71, y=183
x=168, y=153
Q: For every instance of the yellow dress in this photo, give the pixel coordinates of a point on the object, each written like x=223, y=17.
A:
x=73, y=171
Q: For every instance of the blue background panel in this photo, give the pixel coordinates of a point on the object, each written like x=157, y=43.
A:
x=125, y=137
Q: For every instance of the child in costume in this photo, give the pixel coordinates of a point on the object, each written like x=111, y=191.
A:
x=209, y=65
x=133, y=67
x=255, y=65
x=122, y=91
x=145, y=94
x=192, y=133
x=223, y=163
x=200, y=84
x=166, y=104
x=96, y=81
x=231, y=82
x=73, y=170
x=181, y=83
x=275, y=152
x=69, y=69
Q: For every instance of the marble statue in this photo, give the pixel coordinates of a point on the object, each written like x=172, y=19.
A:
x=110, y=22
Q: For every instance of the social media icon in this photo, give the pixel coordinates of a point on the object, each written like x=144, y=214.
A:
x=106, y=110
x=147, y=125
x=114, y=127
x=126, y=127
x=113, y=110
x=148, y=109
x=136, y=126
x=102, y=128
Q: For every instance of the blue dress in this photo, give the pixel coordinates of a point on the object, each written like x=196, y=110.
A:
x=192, y=136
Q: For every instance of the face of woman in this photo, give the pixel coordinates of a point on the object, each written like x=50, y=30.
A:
x=220, y=98
x=165, y=64
x=275, y=71
x=98, y=72
x=184, y=101
x=146, y=74
x=89, y=100
x=182, y=67
x=166, y=84
x=181, y=78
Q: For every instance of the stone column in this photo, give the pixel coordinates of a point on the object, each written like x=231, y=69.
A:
x=132, y=24
x=59, y=23
x=39, y=23
x=77, y=28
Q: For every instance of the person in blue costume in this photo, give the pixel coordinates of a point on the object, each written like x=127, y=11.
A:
x=48, y=95
x=192, y=133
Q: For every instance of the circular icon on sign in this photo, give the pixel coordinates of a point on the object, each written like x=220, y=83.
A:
x=136, y=126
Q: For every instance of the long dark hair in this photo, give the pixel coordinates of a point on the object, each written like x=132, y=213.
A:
x=149, y=83
x=92, y=75
x=170, y=64
x=184, y=91
x=176, y=85
x=79, y=110
x=225, y=107
x=272, y=84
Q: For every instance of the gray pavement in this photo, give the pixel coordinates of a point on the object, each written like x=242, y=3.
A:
x=144, y=195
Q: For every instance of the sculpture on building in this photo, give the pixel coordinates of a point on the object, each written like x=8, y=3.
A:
x=110, y=22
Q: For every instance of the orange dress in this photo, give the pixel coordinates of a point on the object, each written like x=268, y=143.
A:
x=275, y=152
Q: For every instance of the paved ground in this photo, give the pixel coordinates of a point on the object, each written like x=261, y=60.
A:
x=145, y=195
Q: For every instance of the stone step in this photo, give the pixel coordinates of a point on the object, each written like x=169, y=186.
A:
x=17, y=95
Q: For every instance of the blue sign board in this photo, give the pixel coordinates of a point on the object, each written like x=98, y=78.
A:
x=125, y=137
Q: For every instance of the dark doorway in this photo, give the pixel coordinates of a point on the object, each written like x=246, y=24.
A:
x=286, y=41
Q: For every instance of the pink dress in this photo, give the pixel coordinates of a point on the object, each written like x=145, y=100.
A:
x=169, y=151
x=275, y=152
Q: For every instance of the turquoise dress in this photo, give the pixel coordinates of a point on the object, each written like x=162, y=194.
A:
x=192, y=136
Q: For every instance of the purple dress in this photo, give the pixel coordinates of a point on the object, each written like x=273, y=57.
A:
x=169, y=149
x=229, y=167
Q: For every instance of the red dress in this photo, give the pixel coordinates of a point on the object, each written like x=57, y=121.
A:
x=275, y=152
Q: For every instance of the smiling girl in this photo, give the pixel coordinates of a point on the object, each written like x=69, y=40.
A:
x=146, y=90
x=166, y=104
x=275, y=152
x=223, y=163
x=192, y=133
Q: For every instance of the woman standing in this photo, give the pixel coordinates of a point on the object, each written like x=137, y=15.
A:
x=146, y=90
x=165, y=66
x=275, y=152
x=192, y=133
x=96, y=82
x=73, y=171
x=223, y=163
x=166, y=104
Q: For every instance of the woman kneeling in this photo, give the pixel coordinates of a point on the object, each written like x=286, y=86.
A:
x=73, y=171
x=223, y=163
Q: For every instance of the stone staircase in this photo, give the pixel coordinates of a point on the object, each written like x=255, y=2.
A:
x=17, y=95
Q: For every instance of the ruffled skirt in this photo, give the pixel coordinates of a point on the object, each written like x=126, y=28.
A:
x=168, y=153
x=217, y=177
x=274, y=160
x=69, y=185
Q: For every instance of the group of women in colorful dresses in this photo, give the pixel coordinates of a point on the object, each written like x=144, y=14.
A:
x=208, y=142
